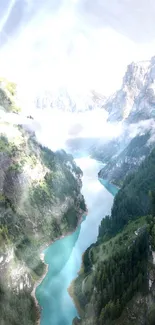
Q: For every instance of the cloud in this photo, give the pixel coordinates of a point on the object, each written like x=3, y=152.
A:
x=134, y=19
x=81, y=44
x=16, y=13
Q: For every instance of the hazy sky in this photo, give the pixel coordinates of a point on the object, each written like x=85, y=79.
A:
x=80, y=44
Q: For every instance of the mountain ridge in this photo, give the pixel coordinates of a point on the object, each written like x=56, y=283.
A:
x=136, y=93
x=134, y=107
x=40, y=200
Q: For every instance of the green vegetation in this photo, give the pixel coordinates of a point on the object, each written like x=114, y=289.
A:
x=16, y=309
x=83, y=205
x=18, y=167
x=27, y=251
x=4, y=237
x=40, y=194
x=15, y=108
x=10, y=86
x=133, y=199
x=8, y=99
x=151, y=317
x=39, y=201
x=70, y=218
x=127, y=161
x=115, y=269
x=113, y=272
x=7, y=146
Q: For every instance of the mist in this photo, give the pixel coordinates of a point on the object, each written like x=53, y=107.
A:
x=80, y=45
x=77, y=46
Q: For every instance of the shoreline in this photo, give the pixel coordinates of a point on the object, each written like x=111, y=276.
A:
x=42, y=256
x=75, y=301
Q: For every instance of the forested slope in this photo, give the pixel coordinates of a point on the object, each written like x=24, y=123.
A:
x=133, y=199
x=40, y=200
x=128, y=160
x=117, y=270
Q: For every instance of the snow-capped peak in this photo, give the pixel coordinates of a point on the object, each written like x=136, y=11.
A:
x=64, y=101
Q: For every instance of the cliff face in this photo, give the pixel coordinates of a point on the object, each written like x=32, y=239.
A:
x=135, y=101
x=133, y=106
x=40, y=200
x=128, y=159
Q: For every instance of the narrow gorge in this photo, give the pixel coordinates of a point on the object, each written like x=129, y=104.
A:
x=65, y=255
x=77, y=233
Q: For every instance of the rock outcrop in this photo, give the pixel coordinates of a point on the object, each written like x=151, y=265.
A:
x=133, y=106
x=40, y=201
x=135, y=101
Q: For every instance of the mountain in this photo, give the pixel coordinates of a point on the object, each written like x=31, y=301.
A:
x=134, y=107
x=40, y=200
x=66, y=101
x=115, y=285
x=135, y=101
x=128, y=160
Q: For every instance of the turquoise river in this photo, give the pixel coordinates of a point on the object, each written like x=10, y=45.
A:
x=64, y=256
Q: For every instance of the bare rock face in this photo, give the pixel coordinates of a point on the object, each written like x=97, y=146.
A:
x=40, y=200
x=133, y=107
x=135, y=100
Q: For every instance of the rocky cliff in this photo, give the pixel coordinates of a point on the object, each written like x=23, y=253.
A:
x=128, y=159
x=133, y=106
x=135, y=101
x=40, y=200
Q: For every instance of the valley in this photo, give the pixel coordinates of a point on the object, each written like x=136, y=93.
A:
x=96, y=208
